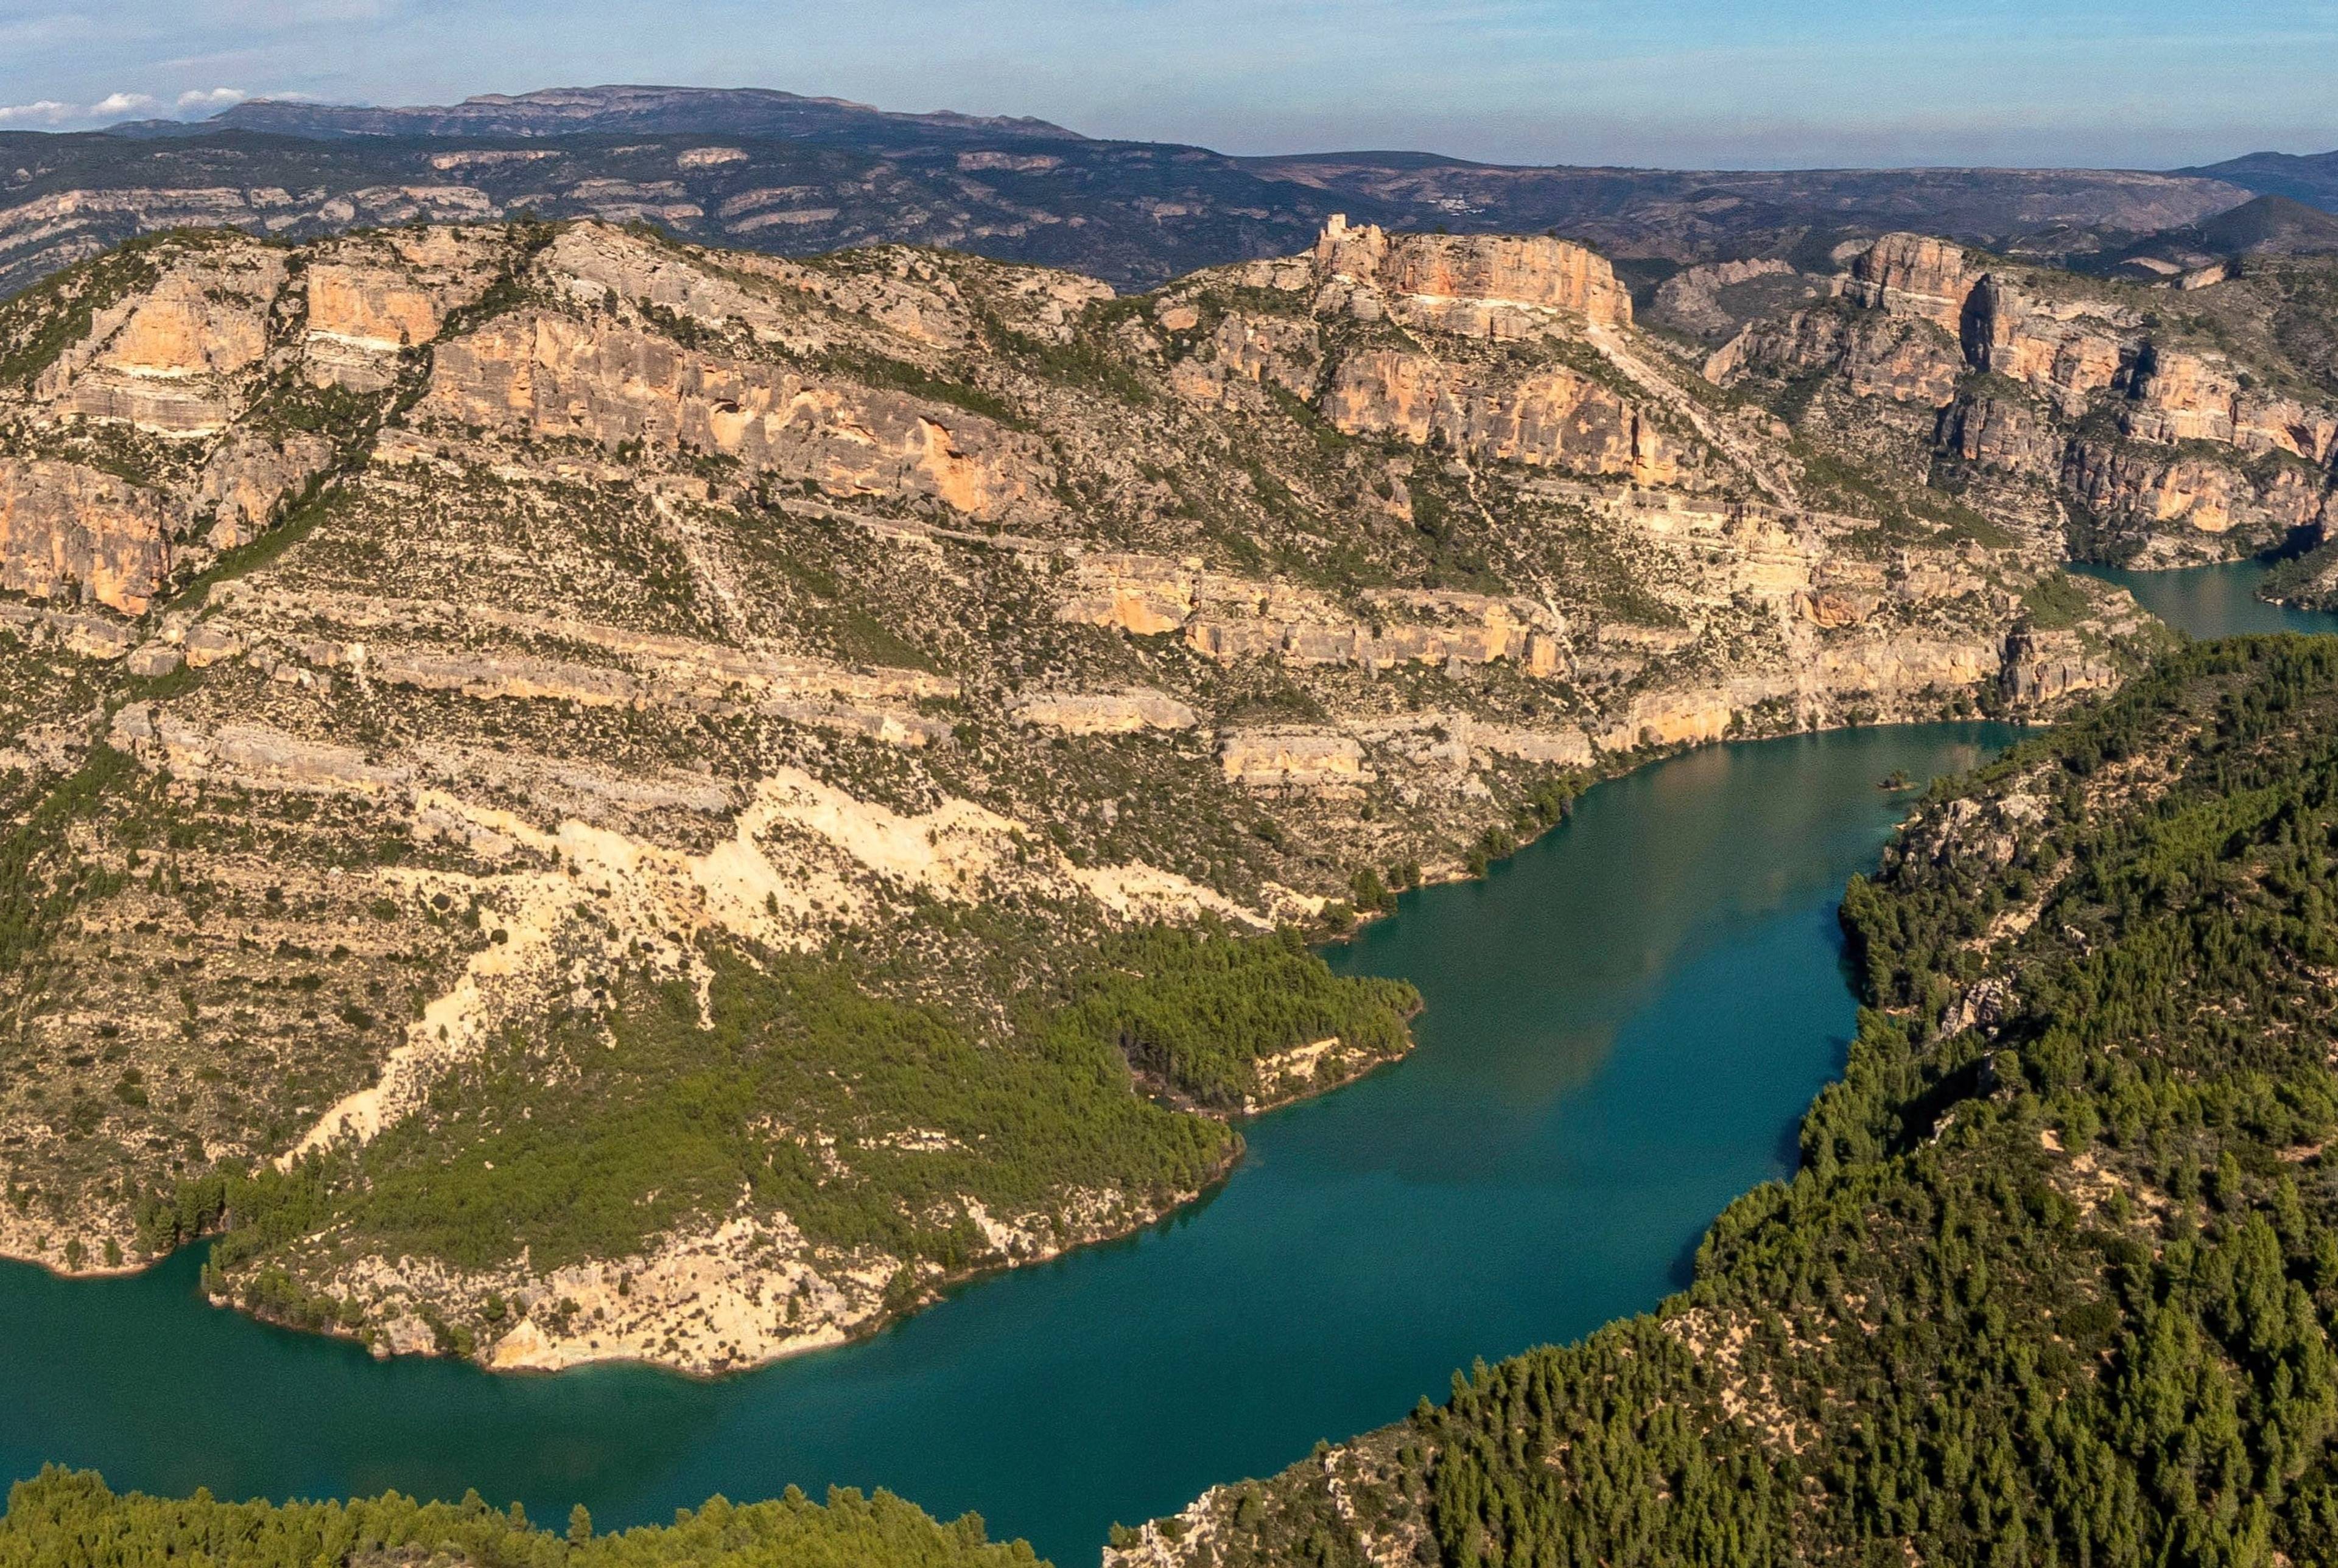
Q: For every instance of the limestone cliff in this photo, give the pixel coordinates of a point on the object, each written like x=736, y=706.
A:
x=472, y=671
x=1488, y=270
x=1555, y=418
x=71, y=533
x=1912, y=275
x=553, y=376
x=2153, y=425
x=165, y=359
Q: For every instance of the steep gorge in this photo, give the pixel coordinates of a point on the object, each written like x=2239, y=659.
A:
x=2053, y=1279
x=460, y=677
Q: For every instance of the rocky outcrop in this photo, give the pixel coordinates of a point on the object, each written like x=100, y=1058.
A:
x=553, y=375
x=905, y=296
x=86, y=636
x=1553, y=418
x=1228, y=618
x=372, y=298
x=1102, y=712
x=244, y=485
x=2141, y=484
x=2178, y=452
x=369, y=307
x=1842, y=675
x=1245, y=347
x=1905, y=359
x=2047, y=666
x=253, y=756
x=167, y=358
x=2008, y=434
x=1497, y=635
x=2190, y=397
x=626, y=670
x=1564, y=748
x=360, y=319
x=1912, y=275
x=1690, y=300
x=2067, y=353
x=67, y=532
x=2073, y=351
x=1292, y=759
x=1144, y=595
x=1465, y=269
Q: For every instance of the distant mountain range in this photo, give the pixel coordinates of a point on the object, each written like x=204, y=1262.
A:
x=784, y=173
x=605, y=110
x=2265, y=226
x=2311, y=178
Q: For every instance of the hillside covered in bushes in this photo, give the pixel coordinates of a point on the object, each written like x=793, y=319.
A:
x=2056, y=1280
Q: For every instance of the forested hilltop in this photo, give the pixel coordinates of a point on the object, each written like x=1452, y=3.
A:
x=66, y=1519
x=2056, y=1282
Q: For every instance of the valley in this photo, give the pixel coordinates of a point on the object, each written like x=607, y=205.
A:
x=2051, y=1238
x=918, y=686
x=573, y=798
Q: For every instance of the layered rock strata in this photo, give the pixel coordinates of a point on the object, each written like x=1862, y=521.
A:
x=465, y=667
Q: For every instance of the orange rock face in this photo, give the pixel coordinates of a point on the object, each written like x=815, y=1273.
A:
x=166, y=361
x=1552, y=417
x=70, y=531
x=557, y=377
x=372, y=305
x=1521, y=269
x=1913, y=275
x=2080, y=354
x=2133, y=479
x=372, y=296
x=2004, y=434
x=2067, y=359
x=2186, y=396
x=179, y=329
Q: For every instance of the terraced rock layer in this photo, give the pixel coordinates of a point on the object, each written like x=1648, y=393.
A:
x=572, y=796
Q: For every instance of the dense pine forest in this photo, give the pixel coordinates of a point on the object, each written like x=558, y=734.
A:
x=66, y=1519
x=2054, y=1282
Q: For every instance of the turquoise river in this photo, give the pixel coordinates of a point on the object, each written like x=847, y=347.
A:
x=1624, y=1022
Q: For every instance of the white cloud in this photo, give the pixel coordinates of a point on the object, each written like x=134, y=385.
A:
x=51, y=113
x=47, y=112
x=200, y=101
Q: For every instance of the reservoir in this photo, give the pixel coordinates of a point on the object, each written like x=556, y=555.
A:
x=1624, y=1022
x=2213, y=600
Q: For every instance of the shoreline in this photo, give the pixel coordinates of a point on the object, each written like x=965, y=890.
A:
x=1160, y=1261
x=933, y=1292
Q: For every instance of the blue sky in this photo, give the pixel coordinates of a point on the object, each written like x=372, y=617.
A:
x=1695, y=82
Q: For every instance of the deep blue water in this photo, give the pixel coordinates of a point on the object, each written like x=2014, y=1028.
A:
x=2213, y=600
x=1624, y=1024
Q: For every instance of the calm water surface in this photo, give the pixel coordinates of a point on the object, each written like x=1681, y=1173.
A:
x=2214, y=600
x=1624, y=1022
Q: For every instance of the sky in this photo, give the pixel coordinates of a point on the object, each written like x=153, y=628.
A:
x=1741, y=83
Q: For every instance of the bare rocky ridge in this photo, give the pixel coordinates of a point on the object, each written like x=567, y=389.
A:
x=613, y=110
x=2153, y=426
x=453, y=666
x=800, y=175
